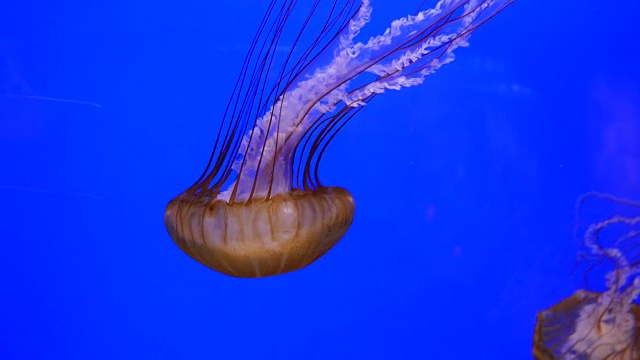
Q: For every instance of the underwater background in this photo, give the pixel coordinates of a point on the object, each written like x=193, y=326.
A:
x=465, y=186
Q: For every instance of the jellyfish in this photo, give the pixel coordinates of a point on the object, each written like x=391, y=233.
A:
x=599, y=325
x=259, y=208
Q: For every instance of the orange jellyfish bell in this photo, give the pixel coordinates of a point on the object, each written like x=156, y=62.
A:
x=259, y=208
x=260, y=237
x=587, y=325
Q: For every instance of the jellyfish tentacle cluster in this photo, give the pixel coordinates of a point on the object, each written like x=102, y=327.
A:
x=267, y=153
x=410, y=49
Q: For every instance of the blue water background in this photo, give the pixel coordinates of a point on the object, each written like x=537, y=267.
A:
x=465, y=186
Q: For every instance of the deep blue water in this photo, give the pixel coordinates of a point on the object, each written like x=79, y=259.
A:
x=465, y=186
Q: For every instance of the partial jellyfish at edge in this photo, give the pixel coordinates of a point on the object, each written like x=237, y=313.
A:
x=259, y=208
x=593, y=325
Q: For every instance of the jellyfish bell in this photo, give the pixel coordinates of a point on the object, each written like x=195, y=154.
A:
x=587, y=325
x=259, y=208
x=261, y=237
x=599, y=325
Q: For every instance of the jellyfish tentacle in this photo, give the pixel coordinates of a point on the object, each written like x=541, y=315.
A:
x=306, y=100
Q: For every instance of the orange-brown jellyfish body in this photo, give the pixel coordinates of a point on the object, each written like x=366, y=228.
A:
x=261, y=237
x=556, y=325
x=596, y=326
x=259, y=208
